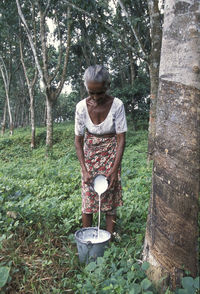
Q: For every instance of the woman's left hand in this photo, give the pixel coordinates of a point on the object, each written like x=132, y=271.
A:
x=113, y=178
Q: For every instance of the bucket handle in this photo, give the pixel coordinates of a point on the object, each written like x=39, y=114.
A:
x=89, y=244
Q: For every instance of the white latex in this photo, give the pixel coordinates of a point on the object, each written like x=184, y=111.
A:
x=97, y=240
x=100, y=186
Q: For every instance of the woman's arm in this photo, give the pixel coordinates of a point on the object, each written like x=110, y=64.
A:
x=113, y=174
x=79, y=151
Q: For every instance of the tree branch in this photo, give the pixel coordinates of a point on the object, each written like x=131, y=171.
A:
x=107, y=26
x=47, y=8
x=60, y=54
x=44, y=48
x=23, y=63
x=59, y=89
x=132, y=28
x=30, y=40
x=4, y=71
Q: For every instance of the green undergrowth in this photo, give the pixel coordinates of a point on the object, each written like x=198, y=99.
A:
x=40, y=210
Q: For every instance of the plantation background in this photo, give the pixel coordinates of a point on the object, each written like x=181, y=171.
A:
x=41, y=81
x=41, y=210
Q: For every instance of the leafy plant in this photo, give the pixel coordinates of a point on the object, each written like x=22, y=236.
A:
x=4, y=274
x=40, y=210
x=190, y=285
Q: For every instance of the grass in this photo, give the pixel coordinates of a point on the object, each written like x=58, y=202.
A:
x=40, y=209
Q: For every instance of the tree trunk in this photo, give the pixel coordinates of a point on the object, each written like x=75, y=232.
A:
x=45, y=114
x=9, y=111
x=6, y=80
x=4, y=118
x=49, y=122
x=172, y=228
x=22, y=109
x=31, y=85
x=131, y=67
x=154, y=61
x=154, y=84
x=32, y=114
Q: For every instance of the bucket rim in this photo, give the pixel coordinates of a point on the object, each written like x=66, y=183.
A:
x=88, y=228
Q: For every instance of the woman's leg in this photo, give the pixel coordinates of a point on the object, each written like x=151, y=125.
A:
x=110, y=223
x=87, y=220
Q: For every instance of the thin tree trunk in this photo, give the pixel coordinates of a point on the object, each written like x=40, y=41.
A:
x=9, y=109
x=4, y=118
x=22, y=108
x=52, y=93
x=131, y=67
x=171, y=241
x=154, y=62
x=6, y=79
x=17, y=113
x=31, y=85
x=49, y=122
x=32, y=115
x=45, y=114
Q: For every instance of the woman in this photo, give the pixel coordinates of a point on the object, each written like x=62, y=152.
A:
x=100, y=128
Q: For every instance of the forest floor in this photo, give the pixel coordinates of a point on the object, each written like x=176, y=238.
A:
x=40, y=210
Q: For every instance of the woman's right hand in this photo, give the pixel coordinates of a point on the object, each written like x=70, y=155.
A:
x=87, y=177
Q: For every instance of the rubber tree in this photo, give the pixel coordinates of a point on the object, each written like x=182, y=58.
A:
x=9, y=60
x=6, y=73
x=172, y=229
x=153, y=64
x=30, y=80
x=53, y=78
x=151, y=57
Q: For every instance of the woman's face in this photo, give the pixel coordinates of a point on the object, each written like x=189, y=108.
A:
x=96, y=90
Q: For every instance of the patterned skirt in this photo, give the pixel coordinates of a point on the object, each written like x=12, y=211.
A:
x=99, y=156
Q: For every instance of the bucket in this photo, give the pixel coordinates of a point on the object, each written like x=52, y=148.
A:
x=89, y=247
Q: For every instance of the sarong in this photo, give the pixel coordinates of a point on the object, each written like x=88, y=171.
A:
x=100, y=153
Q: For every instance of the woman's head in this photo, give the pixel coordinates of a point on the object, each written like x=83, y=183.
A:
x=96, y=80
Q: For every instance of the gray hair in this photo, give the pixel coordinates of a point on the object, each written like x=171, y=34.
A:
x=96, y=73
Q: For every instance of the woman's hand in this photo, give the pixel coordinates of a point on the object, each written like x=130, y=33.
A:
x=87, y=177
x=113, y=178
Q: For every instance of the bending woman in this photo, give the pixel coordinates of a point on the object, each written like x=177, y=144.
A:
x=100, y=128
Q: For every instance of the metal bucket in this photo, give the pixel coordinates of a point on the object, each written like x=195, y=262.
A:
x=89, y=250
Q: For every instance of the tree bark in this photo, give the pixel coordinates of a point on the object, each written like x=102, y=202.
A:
x=33, y=48
x=31, y=85
x=45, y=114
x=4, y=118
x=6, y=79
x=172, y=227
x=154, y=62
x=32, y=114
x=49, y=123
x=131, y=67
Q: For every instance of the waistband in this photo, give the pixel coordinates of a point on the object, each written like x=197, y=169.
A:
x=101, y=136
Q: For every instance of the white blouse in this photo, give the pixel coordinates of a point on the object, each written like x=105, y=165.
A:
x=115, y=122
